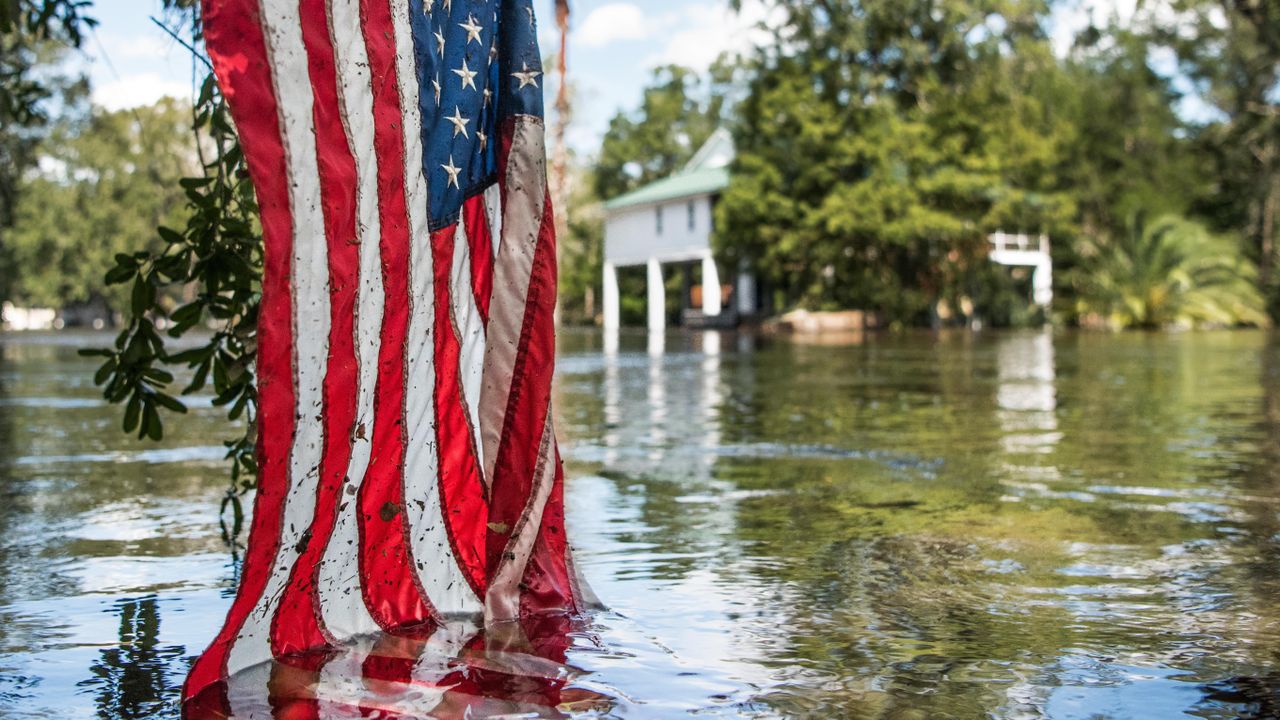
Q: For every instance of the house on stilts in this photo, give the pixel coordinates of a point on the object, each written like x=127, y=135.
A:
x=667, y=226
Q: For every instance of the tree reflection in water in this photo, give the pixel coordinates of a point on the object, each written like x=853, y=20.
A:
x=136, y=679
x=1244, y=698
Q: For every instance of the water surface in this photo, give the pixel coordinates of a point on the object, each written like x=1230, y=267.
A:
x=1007, y=525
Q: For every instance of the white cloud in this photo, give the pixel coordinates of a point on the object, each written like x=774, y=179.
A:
x=147, y=47
x=613, y=22
x=137, y=90
x=700, y=32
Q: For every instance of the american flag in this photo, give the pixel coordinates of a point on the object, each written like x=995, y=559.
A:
x=408, y=465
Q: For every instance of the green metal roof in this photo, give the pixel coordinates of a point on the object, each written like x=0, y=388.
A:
x=686, y=184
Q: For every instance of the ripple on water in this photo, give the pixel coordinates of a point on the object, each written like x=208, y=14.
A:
x=200, y=454
x=1021, y=525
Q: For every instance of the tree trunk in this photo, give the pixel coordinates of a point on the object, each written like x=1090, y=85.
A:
x=560, y=157
x=1267, y=234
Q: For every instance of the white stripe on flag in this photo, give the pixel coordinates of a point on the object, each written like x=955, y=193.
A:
x=470, y=324
x=493, y=208
x=341, y=602
x=512, y=267
x=310, y=321
x=442, y=578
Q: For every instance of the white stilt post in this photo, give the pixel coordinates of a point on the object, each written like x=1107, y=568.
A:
x=1042, y=283
x=657, y=298
x=710, y=286
x=612, y=313
x=746, y=291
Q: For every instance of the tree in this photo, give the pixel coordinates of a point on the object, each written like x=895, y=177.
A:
x=678, y=113
x=1170, y=272
x=1130, y=151
x=34, y=35
x=216, y=258
x=1231, y=48
x=581, y=249
x=111, y=180
x=880, y=141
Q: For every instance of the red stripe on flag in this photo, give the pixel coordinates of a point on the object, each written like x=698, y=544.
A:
x=297, y=625
x=388, y=580
x=526, y=416
x=547, y=581
x=238, y=50
x=461, y=490
x=480, y=240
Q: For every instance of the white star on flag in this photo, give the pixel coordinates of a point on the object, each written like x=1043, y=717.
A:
x=459, y=123
x=452, y=171
x=473, y=30
x=467, y=74
x=526, y=76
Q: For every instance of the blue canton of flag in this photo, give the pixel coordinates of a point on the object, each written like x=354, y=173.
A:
x=478, y=65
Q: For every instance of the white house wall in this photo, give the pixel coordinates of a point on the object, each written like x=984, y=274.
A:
x=631, y=237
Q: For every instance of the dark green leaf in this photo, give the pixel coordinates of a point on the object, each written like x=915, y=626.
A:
x=132, y=411
x=169, y=403
x=151, y=425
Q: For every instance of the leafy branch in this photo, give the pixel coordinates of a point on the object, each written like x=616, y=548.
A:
x=65, y=19
x=203, y=286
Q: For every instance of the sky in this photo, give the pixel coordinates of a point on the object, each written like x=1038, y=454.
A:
x=613, y=50
x=614, y=47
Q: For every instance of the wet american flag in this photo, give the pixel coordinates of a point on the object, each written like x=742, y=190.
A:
x=408, y=465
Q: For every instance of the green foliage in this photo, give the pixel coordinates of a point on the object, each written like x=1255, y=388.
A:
x=44, y=19
x=111, y=179
x=1172, y=272
x=217, y=260
x=1231, y=48
x=34, y=35
x=1129, y=152
x=881, y=141
x=581, y=252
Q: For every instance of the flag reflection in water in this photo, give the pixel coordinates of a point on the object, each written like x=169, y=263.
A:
x=452, y=670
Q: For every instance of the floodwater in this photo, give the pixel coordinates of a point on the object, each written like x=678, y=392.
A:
x=1005, y=525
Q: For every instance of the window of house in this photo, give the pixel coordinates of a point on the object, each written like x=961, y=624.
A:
x=659, y=219
x=693, y=221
